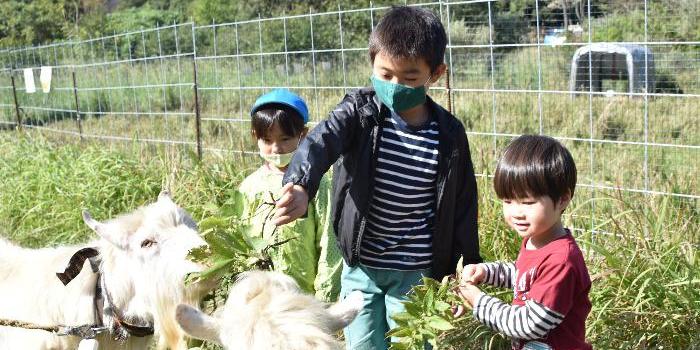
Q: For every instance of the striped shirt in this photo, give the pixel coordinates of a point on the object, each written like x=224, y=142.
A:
x=530, y=321
x=399, y=225
x=550, y=297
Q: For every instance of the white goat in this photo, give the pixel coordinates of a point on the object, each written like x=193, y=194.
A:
x=142, y=264
x=267, y=310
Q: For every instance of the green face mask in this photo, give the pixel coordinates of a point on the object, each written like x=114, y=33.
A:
x=396, y=96
x=278, y=160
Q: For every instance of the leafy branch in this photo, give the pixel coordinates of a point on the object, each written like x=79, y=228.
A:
x=428, y=313
x=232, y=247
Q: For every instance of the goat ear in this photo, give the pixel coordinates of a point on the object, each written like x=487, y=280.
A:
x=88, y=220
x=198, y=324
x=104, y=231
x=165, y=196
x=344, y=311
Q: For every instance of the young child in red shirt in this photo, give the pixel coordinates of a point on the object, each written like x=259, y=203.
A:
x=535, y=179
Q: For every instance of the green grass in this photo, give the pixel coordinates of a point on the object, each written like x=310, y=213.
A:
x=610, y=121
x=646, y=287
x=644, y=266
x=45, y=187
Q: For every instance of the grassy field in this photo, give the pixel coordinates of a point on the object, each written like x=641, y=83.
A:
x=141, y=95
x=114, y=102
x=615, y=157
x=646, y=288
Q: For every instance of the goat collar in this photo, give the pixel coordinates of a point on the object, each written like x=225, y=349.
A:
x=121, y=329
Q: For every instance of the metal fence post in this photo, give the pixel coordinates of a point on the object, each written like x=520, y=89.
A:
x=449, y=89
x=77, y=107
x=448, y=71
x=197, y=117
x=14, y=95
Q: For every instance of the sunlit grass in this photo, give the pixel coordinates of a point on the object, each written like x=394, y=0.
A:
x=644, y=265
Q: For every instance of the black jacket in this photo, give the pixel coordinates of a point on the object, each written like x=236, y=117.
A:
x=349, y=138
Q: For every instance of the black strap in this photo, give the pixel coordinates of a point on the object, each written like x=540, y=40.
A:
x=75, y=265
x=121, y=329
x=137, y=331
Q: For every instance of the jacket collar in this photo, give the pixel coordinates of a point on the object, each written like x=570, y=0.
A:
x=378, y=111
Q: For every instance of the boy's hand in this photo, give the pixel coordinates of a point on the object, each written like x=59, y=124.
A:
x=468, y=293
x=473, y=274
x=292, y=205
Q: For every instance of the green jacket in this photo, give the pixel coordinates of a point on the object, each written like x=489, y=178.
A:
x=312, y=258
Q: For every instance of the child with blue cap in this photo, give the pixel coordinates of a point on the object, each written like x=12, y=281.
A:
x=278, y=123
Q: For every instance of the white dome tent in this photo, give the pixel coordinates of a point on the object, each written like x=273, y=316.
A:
x=612, y=62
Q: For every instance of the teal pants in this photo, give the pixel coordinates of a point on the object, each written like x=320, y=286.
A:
x=383, y=292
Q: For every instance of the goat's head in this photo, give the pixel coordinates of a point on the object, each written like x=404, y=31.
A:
x=267, y=310
x=144, y=263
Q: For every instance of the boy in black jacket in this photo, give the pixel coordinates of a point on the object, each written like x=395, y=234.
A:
x=404, y=192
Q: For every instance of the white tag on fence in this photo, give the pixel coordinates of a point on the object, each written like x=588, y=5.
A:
x=45, y=79
x=29, y=86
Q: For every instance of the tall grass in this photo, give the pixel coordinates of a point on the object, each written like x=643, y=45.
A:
x=646, y=277
x=644, y=266
x=45, y=187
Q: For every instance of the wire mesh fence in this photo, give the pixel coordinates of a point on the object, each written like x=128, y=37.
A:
x=7, y=105
x=136, y=85
x=622, y=92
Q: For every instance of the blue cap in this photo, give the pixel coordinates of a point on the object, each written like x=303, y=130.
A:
x=284, y=97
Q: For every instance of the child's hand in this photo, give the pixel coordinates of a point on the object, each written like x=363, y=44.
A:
x=458, y=310
x=292, y=205
x=473, y=274
x=468, y=293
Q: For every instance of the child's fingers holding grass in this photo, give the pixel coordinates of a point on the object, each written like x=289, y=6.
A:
x=292, y=205
x=286, y=195
x=473, y=274
x=458, y=310
x=468, y=293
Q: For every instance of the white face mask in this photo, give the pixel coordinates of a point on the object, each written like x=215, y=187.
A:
x=278, y=160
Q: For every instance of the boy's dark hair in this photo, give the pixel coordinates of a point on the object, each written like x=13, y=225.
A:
x=286, y=117
x=409, y=32
x=535, y=165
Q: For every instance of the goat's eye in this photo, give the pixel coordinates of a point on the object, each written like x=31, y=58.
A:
x=147, y=243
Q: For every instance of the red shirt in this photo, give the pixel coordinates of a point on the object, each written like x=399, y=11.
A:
x=556, y=277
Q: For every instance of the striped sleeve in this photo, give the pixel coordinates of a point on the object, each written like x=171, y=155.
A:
x=531, y=321
x=500, y=274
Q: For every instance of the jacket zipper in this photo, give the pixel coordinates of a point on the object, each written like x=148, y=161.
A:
x=361, y=231
x=441, y=182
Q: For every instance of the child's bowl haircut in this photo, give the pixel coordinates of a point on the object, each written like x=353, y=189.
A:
x=409, y=32
x=287, y=118
x=534, y=166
